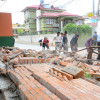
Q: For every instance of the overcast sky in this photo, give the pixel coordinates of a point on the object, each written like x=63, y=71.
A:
x=80, y=7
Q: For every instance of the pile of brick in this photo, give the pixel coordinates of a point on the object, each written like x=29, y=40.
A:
x=48, y=75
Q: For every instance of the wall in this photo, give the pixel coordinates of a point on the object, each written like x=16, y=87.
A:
x=35, y=38
x=6, y=33
x=5, y=24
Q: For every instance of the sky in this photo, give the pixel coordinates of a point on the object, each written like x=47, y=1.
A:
x=80, y=7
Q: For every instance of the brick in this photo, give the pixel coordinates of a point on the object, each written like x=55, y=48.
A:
x=17, y=51
x=33, y=92
x=41, y=60
x=91, y=81
x=64, y=89
x=61, y=95
x=38, y=97
x=98, y=64
x=95, y=68
x=76, y=72
x=48, y=60
x=54, y=97
x=26, y=54
x=28, y=95
x=63, y=63
x=64, y=74
x=67, y=60
x=96, y=75
x=35, y=60
x=45, y=97
x=28, y=60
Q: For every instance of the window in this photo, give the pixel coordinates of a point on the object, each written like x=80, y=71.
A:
x=50, y=21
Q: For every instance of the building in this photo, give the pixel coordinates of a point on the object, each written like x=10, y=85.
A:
x=16, y=27
x=48, y=18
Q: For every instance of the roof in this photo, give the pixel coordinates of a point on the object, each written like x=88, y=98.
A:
x=60, y=14
x=42, y=7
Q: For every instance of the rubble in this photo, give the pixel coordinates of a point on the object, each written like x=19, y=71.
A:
x=48, y=75
x=76, y=72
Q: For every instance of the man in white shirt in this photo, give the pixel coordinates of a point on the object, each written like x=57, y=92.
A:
x=58, y=41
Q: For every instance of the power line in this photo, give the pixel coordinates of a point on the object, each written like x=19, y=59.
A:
x=67, y=3
x=53, y=1
x=3, y=3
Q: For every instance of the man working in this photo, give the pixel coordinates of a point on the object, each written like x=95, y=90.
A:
x=58, y=41
x=65, y=41
x=62, y=40
x=95, y=38
x=45, y=43
x=73, y=42
x=98, y=44
x=89, y=43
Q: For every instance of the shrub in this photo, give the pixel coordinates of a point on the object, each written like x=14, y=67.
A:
x=72, y=28
x=20, y=31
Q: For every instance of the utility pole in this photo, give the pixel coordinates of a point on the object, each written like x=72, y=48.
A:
x=93, y=28
x=98, y=7
x=98, y=18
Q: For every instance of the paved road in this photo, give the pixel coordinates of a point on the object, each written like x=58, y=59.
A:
x=31, y=46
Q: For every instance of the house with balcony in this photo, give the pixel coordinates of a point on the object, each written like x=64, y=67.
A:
x=44, y=17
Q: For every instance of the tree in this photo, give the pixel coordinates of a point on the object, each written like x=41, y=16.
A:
x=20, y=31
x=72, y=28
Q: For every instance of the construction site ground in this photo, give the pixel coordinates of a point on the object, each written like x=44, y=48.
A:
x=27, y=73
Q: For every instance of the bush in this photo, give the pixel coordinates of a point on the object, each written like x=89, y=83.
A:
x=20, y=31
x=72, y=28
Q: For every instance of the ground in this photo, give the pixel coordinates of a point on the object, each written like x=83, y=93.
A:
x=30, y=46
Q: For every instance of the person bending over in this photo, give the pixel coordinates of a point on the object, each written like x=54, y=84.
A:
x=45, y=43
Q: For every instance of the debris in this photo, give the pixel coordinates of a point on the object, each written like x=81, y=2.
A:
x=76, y=72
x=47, y=75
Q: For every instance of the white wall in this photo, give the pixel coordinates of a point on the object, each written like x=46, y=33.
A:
x=35, y=38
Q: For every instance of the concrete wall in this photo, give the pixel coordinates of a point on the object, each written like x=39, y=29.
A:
x=35, y=38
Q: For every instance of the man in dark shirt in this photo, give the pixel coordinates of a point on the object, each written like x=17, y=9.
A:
x=95, y=38
x=65, y=41
x=73, y=42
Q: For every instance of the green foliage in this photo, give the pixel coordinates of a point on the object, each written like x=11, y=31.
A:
x=20, y=31
x=72, y=28
x=23, y=25
x=87, y=75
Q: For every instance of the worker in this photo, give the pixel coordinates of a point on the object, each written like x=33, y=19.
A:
x=45, y=43
x=40, y=41
x=62, y=40
x=58, y=41
x=73, y=42
x=89, y=43
x=98, y=44
x=65, y=41
x=95, y=38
